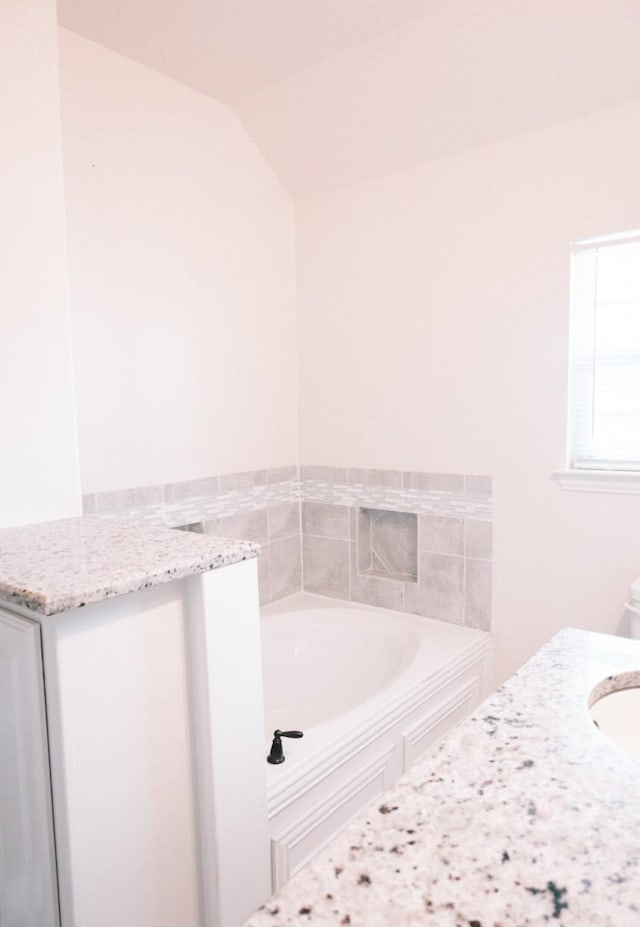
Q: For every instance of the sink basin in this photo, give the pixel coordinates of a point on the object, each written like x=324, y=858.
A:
x=614, y=705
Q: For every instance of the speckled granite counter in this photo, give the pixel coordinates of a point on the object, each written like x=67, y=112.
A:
x=525, y=815
x=59, y=565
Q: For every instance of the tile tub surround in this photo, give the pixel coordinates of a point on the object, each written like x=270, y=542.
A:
x=306, y=520
x=524, y=815
x=453, y=542
x=59, y=565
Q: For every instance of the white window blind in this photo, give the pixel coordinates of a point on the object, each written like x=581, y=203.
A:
x=605, y=355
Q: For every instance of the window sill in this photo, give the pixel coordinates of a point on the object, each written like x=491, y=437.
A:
x=618, y=481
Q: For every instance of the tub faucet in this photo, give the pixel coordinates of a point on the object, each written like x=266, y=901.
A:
x=276, y=754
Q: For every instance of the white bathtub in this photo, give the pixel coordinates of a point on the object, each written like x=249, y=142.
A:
x=372, y=689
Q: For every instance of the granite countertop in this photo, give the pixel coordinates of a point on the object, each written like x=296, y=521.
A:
x=59, y=565
x=524, y=815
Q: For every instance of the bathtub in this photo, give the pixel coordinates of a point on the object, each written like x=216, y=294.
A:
x=372, y=690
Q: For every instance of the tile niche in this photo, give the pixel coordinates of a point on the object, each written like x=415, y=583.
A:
x=387, y=544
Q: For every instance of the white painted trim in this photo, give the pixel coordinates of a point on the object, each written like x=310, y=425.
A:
x=290, y=837
x=613, y=481
x=25, y=781
x=604, y=241
x=223, y=633
x=414, y=734
x=57, y=767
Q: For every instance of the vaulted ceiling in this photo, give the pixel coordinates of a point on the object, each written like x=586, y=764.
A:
x=336, y=91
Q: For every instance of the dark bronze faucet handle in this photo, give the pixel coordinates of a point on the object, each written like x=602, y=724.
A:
x=276, y=754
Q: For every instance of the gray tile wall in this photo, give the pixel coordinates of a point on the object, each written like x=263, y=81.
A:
x=277, y=530
x=446, y=562
x=308, y=520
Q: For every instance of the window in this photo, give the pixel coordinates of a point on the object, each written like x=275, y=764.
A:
x=604, y=407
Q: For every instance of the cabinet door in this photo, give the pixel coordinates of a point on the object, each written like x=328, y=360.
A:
x=28, y=890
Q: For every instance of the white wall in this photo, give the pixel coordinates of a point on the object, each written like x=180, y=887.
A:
x=432, y=315
x=433, y=311
x=38, y=453
x=182, y=279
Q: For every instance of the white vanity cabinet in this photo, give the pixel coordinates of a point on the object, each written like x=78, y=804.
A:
x=154, y=762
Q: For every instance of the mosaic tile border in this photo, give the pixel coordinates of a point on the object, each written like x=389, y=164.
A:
x=418, y=502
x=175, y=504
